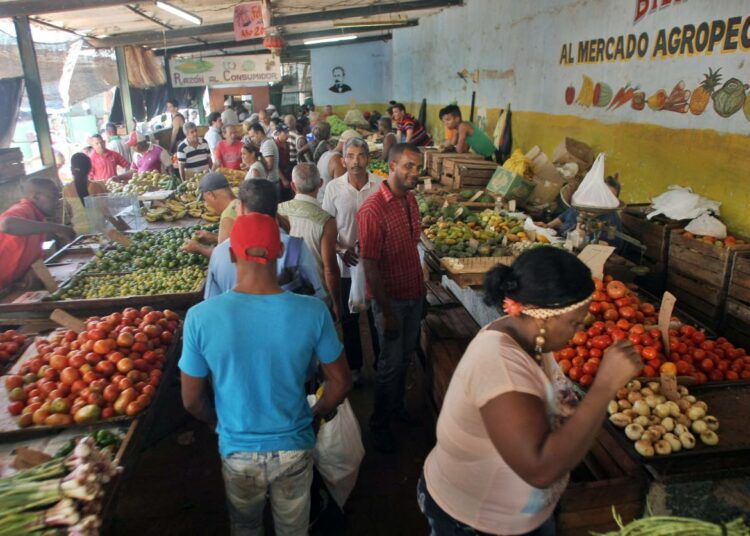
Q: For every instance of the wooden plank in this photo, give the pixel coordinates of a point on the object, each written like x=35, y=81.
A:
x=696, y=306
x=706, y=293
x=739, y=311
x=689, y=264
x=742, y=264
x=710, y=250
x=739, y=292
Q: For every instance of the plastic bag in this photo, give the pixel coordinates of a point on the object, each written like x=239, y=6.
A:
x=593, y=191
x=358, y=295
x=707, y=225
x=550, y=234
x=338, y=453
x=679, y=203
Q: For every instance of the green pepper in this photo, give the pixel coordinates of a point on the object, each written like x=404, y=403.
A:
x=66, y=449
x=104, y=438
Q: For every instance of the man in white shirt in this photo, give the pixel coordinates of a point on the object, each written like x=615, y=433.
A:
x=116, y=143
x=229, y=116
x=268, y=149
x=213, y=135
x=342, y=199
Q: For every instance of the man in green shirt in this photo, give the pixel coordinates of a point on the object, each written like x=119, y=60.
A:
x=466, y=135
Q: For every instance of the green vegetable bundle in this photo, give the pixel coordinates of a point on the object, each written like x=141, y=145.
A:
x=676, y=526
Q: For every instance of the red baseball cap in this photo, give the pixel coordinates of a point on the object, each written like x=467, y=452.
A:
x=255, y=231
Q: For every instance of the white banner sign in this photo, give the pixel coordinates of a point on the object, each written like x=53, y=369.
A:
x=240, y=70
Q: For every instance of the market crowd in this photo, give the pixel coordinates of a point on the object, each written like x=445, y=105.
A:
x=310, y=240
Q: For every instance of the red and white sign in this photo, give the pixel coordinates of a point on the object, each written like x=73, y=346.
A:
x=248, y=21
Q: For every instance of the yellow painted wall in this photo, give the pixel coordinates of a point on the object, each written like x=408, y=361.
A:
x=342, y=109
x=649, y=158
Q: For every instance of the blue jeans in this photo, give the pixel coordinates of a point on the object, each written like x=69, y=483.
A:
x=250, y=476
x=390, y=375
x=442, y=524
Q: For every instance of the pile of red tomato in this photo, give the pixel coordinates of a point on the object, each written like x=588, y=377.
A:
x=10, y=342
x=113, y=368
x=618, y=314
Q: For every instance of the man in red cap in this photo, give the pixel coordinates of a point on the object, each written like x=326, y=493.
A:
x=258, y=373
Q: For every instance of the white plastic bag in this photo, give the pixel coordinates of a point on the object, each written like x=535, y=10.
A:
x=358, y=294
x=593, y=191
x=550, y=234
x=679, y=203
x=338, y=453
x=707, y=225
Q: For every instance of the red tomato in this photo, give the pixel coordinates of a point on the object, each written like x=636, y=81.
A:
x=15, y=408
x=732, y=375
x=590, y=368
x=649, y=371
x=568, y=353
x=684, y=368
x=649, y=352
x=602, y=342
x=611, y=314
x=616, y=290
x=575, y=373
x=579, y=338
x=707, y=365
x=698, y=337
x=69, y=375
x=716, y=375
x=578, y=361
x=596, y=353
x=586, y=380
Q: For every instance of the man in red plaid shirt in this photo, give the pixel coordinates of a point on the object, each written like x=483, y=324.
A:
x=389, y=230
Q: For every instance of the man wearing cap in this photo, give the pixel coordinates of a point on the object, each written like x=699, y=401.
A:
x=218, y=196
x=149, y=156
x=389, y=231
x=258, y=373
x=193, y=153
x=104, y=162
x=229, y=116
x=259, y=195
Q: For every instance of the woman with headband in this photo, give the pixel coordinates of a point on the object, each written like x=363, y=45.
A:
x=511, y=429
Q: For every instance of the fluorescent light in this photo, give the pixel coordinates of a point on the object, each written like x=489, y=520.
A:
x=180, y=12
x=330, y=39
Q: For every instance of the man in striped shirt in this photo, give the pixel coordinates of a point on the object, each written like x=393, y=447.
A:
x=193, y=153
x=410, y=130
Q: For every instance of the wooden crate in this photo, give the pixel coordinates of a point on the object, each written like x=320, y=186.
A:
x=435, y=161
x=739, y=280
x=700, y=299
x=736, y=323
x=458, y=173
x=654, y=234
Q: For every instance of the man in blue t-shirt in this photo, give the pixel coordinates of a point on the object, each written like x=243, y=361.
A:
x=256, y=343
x=258, y=195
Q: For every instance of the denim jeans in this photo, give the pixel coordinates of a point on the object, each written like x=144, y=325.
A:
x=442, y=524
x=284, y=475
x=390, y=376
x=351, y=331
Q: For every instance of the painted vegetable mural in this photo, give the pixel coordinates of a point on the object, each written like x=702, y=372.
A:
x=728, y=99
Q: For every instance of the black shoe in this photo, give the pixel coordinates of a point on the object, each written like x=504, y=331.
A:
x=407, y=418
x=383, y=440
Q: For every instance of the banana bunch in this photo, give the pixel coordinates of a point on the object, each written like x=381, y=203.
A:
x=586, y=94
x=169, y=210
x=234, y=176
x=519, y=164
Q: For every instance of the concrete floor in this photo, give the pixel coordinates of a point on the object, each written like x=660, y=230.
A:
x=176, y=488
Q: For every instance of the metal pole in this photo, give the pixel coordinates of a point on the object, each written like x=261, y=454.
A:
x=34, y=89
x=122, y=74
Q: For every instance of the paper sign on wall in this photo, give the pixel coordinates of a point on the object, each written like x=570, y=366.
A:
x=245, y=70
x=595, y=257
x=248, y=21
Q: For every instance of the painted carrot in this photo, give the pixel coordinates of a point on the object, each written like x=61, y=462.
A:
x=626, y=98
x=618, y=97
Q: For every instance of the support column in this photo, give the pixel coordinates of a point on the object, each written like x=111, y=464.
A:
x=34, y=89
x=122, y=75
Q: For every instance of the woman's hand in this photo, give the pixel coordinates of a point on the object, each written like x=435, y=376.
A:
x=620, y=364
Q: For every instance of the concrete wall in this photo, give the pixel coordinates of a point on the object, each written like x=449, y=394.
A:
x=367, y=73
x=519, y=53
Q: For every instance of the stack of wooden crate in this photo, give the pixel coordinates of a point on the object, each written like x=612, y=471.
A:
x=435, y=160
x=11, y=164
x=654, y=235
x=736, y=325
x=459, y=173
x=699, y=275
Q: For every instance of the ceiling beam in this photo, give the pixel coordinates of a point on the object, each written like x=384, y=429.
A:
x=331, y=32
x=348, y=13
x=23, y=8
x=159, y=36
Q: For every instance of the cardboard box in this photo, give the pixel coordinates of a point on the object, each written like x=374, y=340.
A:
x=508, y=185
x=548, y=181
x=574, y=151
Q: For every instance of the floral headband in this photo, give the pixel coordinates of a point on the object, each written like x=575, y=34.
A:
x=514, y=308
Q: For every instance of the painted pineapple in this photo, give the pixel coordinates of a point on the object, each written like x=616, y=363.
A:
x=702, y=94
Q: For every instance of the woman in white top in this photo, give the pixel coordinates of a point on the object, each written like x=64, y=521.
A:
x=511, y=429
x=251, y=157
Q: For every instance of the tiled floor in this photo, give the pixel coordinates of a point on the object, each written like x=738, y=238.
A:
x=176, y=487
